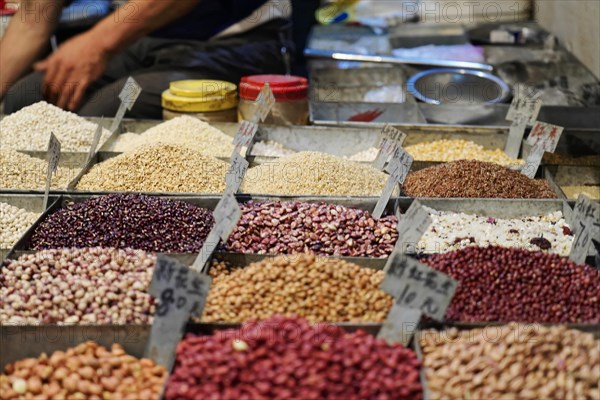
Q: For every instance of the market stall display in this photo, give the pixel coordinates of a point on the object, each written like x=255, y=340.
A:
x=503, y=284
x=22, y=172
x=319, y=228
x=77, y=286
x=288, y=358
x=30, y=128
x=530, y=361
x=317, y=288
x=126, y=221
x=157, y=168
x=85, y=371
x=314, y=173
x=474, y=179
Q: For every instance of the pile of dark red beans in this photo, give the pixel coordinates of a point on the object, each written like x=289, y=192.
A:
x=287, y=358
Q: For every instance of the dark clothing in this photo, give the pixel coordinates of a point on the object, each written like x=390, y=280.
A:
x=155, y=62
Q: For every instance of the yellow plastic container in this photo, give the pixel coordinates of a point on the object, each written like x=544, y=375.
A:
x=208, y=100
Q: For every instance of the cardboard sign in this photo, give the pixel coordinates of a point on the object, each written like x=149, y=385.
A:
x=411, y=227
x=417, y=286
x=236, y=173
x=391, y=139
x=398, y=169
x=244, y=136
x=264, y=102
x=523, y=111
x=128, y=96
x=534, y=159
x=53, y=158
x=546, y=134
x=586, y=225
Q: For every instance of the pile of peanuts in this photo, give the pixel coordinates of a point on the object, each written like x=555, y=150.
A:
x=85, y=372
x=287, y=358
x=325, y=229
x=317, y=288
x=14, y=221
x=77, y=286
x=513, y=361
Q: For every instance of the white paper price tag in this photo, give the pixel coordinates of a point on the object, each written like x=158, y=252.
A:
x=534, y=159
x=525, y=105
x=226, y=215
x=95, y=141
x=586, y=226
x=417, y=289
x=264, y=103
x=391, y=139
x=411, y=227
x=398, y=169
x=546, y=134
x=235, y=175
x=53, y=158
x=128, y=96
x=180, y=292
x=244, y=136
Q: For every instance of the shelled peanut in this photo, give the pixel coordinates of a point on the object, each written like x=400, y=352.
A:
x=85, y=372
x=513, y=361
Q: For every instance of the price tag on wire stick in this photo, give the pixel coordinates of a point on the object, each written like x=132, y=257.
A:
x=180, y=292
x=391, y=138
x=244, y=136
x=95, y=141
x=264, y=103
x=398, y=169
x=128, y=96
x=415, y=286
x=235, y=175
x=400, y=325
x=586, y=225
x=523, y=111
x=411, y=227
x=546, y=134
x=53, y=158
x=534, y=159
x=226, y=215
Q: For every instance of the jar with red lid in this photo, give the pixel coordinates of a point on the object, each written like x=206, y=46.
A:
x=291, y=98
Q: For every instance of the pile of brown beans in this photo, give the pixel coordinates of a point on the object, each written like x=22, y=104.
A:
x=85, y=372
x=509, y=284
x=287, y=358
x=126, y=221
x=474, y=179
x=317, y=288
x=77, y=286
x=325, y=229
x=514, y=361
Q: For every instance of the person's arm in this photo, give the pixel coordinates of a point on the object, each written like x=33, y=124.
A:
x=26, y=38
x=83, y=59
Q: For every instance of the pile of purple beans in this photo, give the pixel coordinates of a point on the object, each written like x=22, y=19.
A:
x=317, y=228
x=287, y=358
x=509, y=284
x=126, y=221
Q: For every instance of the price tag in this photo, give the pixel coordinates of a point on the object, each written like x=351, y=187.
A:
x=128, y=96
x=417, y=289
x=398, y=169
x=523, y=111
x=244, y=136
x=391, y=138
x=53, y=158
x=180, y=292
x=411, y=227
x=534, y=159
x=264, y=102
x=226, y=215
x=546, y=134
x=95, y=141
x=235, y=175
x=586, y=225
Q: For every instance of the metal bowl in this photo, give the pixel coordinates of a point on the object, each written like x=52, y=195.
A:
x=458, y=86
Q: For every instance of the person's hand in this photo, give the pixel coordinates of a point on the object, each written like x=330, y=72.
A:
x=71, y=69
